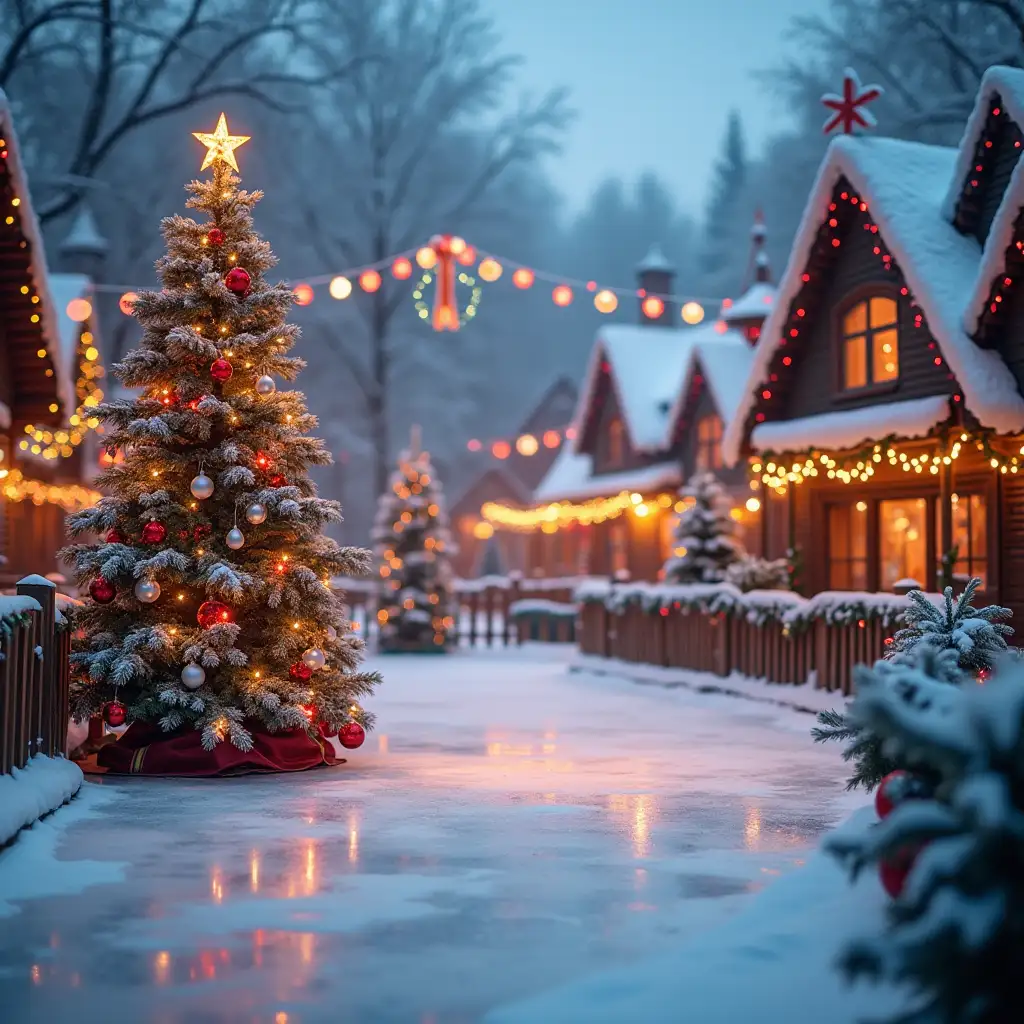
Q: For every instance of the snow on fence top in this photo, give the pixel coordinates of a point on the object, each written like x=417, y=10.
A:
x=759, y=607
x=14, y=607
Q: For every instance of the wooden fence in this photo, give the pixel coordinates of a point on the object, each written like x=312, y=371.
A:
x=720, y=644
x=34, y=676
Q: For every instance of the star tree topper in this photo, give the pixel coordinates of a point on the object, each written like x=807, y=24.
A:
x=220, y=145
x=849, y=108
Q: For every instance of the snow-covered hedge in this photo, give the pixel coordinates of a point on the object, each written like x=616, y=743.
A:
x=29, y=793
x=759, y=607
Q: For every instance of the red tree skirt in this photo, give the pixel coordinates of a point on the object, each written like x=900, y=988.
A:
x=145, y=749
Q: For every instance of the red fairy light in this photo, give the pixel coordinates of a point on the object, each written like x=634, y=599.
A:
x=263, y=460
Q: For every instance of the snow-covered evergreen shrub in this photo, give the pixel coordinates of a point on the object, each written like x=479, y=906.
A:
x=705, y=542
x=753, y=573
x=955, y=935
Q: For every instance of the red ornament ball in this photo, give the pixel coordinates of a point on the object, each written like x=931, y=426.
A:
x=154, y=532
x=115, y=713
x=238, y=281
x=277, y=480
x=201, y=531
x=326, y=730
x=114, y=537
x=351, y=736
x=896, y=787
x=215, y=236
x=212, y=613
x=300, y=671
x=221, y=369
x=893, y=871
x=102, y=591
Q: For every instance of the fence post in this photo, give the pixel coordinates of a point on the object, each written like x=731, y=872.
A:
x=45, y=731
x=513, y=595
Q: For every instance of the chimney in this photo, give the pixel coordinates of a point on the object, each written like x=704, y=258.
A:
x=84, y=250
x=655, y=277
x=759, y=268
x=749, y=312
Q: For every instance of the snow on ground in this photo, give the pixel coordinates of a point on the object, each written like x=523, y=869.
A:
x=508, y=829
x=37, y=789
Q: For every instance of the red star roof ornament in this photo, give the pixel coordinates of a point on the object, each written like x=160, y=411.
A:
x=850, y=111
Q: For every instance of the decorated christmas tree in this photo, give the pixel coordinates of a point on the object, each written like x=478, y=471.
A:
x=705, y=537
x=974, y=640
x=414, y=549
x=212, y=628
x=952, y=858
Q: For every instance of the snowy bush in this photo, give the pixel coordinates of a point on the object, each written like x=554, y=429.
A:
x=752, y=573
x=955, y=934
x=705, y=543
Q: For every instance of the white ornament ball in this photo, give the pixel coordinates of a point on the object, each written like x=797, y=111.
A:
x=332, y=634
x=314, y=658
x=265, y=385
x=201, y=486
x=147, y=591
x=234, y=539
x=193, y=676
x=256, y=514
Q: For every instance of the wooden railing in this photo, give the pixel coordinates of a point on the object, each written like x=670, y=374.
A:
x=718, y=643
x=34, y=675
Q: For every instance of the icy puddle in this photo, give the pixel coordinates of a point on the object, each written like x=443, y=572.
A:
x=507, y=828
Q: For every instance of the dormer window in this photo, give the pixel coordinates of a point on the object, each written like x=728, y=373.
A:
x=870, y=343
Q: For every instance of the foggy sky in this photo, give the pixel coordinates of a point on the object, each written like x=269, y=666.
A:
x=652, y=80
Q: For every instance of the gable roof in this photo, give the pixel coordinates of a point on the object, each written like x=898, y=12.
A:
x=905, y=185
x=29, y=226
x=755, y=303
x=571, y=478
x=647, y=366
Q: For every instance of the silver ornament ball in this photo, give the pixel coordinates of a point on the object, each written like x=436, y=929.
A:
x=147, y=591
x=314, y=658
x=256, y=514
x=265, y=385
x=193, y=676
x=201, y=486
x=234, y=539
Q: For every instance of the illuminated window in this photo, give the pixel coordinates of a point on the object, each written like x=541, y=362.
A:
x=870, y=343
x=618, y=545
x=669, y=522
x=902, y=547
x=848, y=546
x=709, y=443
x=970, y=538
x=616, y=442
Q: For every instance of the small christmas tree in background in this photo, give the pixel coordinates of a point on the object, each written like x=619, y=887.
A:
x=954, y=862
x=211, y=616
x=976, y=640
x=414, y=548
x=705, y=537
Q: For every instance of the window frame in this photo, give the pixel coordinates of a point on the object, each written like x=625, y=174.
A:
x=864, y=295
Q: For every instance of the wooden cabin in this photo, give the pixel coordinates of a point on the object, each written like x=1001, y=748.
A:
x=47, y=324
x=651, y=411
x=883, y=417
x=512, y=470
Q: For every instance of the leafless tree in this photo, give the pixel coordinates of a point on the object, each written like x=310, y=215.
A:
x=420, y=140
x=143, y=60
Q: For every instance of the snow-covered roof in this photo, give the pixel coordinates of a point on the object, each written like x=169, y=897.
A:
x=84, y=235
x=755, y=302
x=571, y=478
x=904, y=185
x=41, y=277
x=647, y=367
x=851, y=427
x=655, y=260
x=64, y=288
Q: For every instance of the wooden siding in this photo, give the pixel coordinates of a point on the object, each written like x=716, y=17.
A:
x=734, y=477
x=1003, y=329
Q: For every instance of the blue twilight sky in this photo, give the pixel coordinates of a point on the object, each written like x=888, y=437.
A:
x=652, y=81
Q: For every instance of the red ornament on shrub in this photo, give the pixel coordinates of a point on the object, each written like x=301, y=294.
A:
x=300, y=671
x=896, y=787
x=215, y=236
x=893, y=871
x=238, y=281
x=212, y=613
x=277, y=480
x=154, y=532
x=221, y=369
x=326, y=730
x=102, y=591
x=114, y=537
x=351, y=736
x=115, y=713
